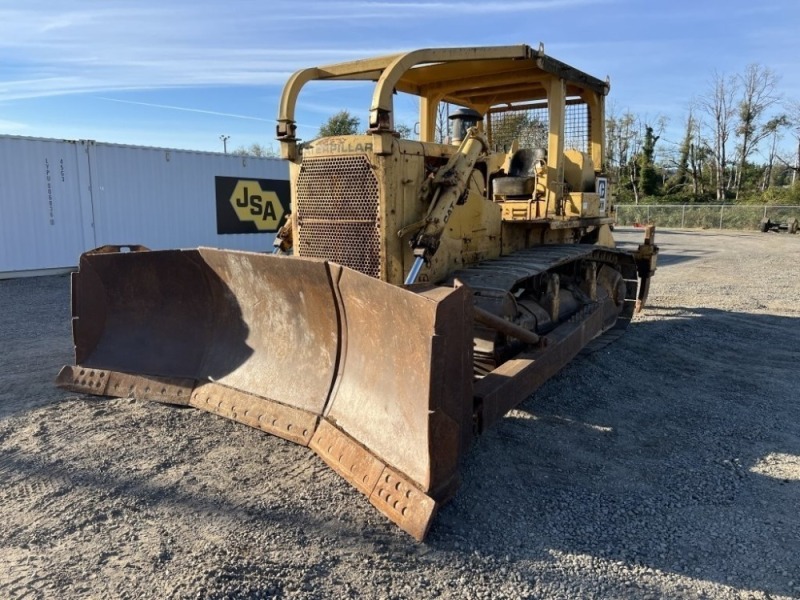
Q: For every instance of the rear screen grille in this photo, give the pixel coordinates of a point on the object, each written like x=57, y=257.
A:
x=337, y=212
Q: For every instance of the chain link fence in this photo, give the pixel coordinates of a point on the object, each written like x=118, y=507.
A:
x=704, y=216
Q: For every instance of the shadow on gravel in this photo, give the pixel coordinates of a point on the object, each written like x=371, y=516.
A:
x=140, y=490
x=35, y=340
x=677, y=449
x=671, y=251
x=669, y=256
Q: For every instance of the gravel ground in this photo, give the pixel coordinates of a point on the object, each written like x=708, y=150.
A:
x=665, y=465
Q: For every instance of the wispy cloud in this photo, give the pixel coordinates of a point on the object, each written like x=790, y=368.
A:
x=86, y=47
x=412, y=10
x=13, y=127
x=187, y=109
x=199, y=111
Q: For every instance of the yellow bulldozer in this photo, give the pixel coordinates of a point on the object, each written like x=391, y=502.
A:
x=420, y=289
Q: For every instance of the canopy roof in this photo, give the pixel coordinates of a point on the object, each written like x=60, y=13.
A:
x=477, y=77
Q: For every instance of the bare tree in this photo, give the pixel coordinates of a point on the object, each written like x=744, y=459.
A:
x=256, y=150
x=758, y=94
x=772, y=129
x=719, y=107
x=442, y=126
x=623, y=144
x=793, y=109
x=404, y=131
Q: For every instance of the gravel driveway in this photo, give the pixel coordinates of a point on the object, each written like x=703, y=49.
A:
x=665, y=465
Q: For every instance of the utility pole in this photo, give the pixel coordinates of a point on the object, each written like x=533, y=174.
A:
x=224, y=139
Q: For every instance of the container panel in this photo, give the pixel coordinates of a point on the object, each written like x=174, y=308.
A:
x=164, y=199
x=41, y=221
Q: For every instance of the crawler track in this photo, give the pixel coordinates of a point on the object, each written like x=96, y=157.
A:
x=510, y=272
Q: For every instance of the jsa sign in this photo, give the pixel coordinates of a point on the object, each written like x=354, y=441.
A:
x=250, y=205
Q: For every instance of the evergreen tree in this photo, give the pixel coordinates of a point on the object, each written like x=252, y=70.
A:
x=342, y=123
x=683, y=171
x=648, y=177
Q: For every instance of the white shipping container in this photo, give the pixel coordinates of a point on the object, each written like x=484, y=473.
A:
x=60, y=198
x=44, y=222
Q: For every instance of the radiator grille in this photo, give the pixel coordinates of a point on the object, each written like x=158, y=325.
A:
x=338, y=212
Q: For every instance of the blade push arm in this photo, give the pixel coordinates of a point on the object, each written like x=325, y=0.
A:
x=448, y=186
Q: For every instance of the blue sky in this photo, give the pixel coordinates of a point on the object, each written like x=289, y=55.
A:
x=179, y=74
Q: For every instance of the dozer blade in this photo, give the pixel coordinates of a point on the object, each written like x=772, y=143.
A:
x=375, y=378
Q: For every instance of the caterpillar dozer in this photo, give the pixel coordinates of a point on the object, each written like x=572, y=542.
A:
x=420, y=289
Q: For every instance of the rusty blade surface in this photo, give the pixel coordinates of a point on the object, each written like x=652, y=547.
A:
x=265, y=325
x=389, y=491
x=278, y=419
x=142, y=312
x=277, y=330
x=404, y=388
x=123, y=385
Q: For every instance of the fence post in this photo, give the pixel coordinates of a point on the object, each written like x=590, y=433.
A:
x=765, y=211
x=721, y=210
x=648, y=213
x=683, y=217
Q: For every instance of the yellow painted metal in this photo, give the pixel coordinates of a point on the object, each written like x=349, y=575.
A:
x=579, y=204
x=556, y=97
x=579, y=171
x=382, y=98
x=597, y=133
x=524, y=210
x=471, y=76
x=605, y=237
x=428, y=108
